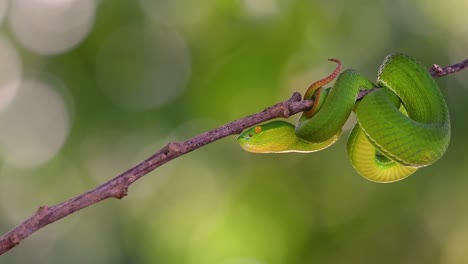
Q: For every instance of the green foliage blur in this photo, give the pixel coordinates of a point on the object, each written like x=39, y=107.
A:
x=150, y=72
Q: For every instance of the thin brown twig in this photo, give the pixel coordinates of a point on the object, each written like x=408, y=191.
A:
x=437, y=71
x=118, y=186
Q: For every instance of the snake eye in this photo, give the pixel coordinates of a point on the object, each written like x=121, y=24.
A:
x=258, y=129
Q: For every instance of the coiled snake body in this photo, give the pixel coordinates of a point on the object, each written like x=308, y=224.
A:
x=400, y=127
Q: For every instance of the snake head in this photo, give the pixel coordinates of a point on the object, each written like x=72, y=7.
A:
x=272, y=137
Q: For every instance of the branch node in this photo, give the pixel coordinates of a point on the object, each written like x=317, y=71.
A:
x=122, y=191
x=42, y=209
x=174, y=147
x=14, y=239
x=295, y=97
x=285, y=108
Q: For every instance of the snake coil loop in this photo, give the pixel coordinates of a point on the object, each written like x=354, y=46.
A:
x=401, y=127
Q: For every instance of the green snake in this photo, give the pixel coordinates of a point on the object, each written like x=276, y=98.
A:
x=401, y=126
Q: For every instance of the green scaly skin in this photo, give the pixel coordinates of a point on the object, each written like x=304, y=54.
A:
x=279, y=137
x=335, y=110
x=389, y=142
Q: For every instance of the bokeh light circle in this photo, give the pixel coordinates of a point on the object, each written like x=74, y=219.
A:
x=34, y=126
x=263, y=8
x=50, y=27
x=10, y=72
x=180, y=13
x=3, y=9
x=140, y=68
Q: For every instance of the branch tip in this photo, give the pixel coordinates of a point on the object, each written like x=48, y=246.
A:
x=436, y=69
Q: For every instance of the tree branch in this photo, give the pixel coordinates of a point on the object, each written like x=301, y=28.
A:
x=118, y=186
x=438, y=71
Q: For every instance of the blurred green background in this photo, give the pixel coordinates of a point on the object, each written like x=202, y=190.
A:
x=89, y=88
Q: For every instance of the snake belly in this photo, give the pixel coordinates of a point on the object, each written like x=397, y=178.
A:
x=404, y=138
